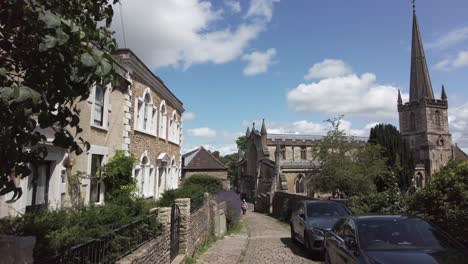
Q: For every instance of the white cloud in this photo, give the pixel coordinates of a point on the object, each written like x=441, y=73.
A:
x=349, y=95
x=460, y=61
x=202, y=132
x=327, y=69
x=311, y=128
x=458, y=122
x=261, y=8
x=233, y=5
x=451, y=38
x=189, y=116
x=259, y=62
x=181, y=33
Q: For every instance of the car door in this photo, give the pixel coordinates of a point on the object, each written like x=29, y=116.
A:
x=334, y=241
x=345, y=254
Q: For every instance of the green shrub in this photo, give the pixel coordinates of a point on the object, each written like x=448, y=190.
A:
x=444, y=200
x=117, y=177
x=210, y=184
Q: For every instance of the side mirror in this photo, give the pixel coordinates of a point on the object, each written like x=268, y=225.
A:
x=302, y=216
x=351, y=244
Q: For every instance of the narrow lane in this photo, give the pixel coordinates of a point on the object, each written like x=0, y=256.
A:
x=270, y=242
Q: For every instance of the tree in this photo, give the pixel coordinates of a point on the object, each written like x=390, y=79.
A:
x=397, y=153
x=231, y=161
x=347, y=167
x=241, y=142
x=216, y=154
x=51, y=53
x=117, y=176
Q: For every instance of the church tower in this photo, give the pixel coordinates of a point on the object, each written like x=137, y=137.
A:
x=424, y=119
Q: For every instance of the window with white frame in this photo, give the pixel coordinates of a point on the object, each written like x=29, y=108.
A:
x=144, y=175
x=163, y=121
x=145, y=114
x=100, y=105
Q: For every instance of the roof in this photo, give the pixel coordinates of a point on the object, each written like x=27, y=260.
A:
x=458, y=153
x=202, y=159
x=301, y=137
x=380, y=217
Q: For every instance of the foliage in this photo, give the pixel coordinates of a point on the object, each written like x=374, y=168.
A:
x=51, y=53
x=231, y=161
x=216, y=154
x=397, y=152
x=74, y=187
x=388, y=201
x=444, y=200
x=347, y=167
x=233, y=206
x=59, y=230
x=117, y=176
x=193, y=188
x=240, y=142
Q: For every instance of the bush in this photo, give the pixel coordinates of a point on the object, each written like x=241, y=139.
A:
x=62, y=229
x=233, y=206
x=193, y=188
x=444, y=200
x=117, y=177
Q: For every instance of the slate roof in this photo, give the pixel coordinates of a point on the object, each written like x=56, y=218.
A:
x=458, y=153
x=202, y=159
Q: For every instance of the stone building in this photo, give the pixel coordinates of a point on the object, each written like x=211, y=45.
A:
x=273, y=162
x=154, y=128
x=424, y=119
x=201, y=161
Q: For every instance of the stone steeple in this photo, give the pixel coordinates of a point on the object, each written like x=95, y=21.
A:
x=263, y=130
x=420, y=82
x=444, y=95
x=400, y=101
x=247, y=133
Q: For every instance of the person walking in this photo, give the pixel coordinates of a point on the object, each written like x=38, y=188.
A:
x=244, y=206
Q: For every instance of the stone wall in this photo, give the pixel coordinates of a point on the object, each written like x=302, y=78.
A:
x=263, y=203
x=199, y=229
x=157, y=250
x=285, y=203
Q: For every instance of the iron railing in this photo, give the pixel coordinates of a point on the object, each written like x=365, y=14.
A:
x=107, y=249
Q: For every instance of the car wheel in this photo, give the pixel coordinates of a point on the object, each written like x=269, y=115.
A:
x=293, y=235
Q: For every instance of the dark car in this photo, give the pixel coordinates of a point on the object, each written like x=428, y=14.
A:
x=390, y=239
x=313, y=219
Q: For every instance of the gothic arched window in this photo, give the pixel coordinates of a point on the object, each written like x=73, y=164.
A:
x=437, y=118
x=300, y=184
x=412, y=122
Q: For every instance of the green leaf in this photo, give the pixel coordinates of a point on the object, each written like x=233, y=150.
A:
x=104, y=67
x=88, y=60
x=62, y=37
x=51, y=20
x=50, y=41
x=23, y=93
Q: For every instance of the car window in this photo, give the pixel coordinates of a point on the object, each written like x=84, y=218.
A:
x=325, y=209
x=408, y=233
x=337, y=228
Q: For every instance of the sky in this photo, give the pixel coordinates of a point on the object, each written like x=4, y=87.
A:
x=295, y=63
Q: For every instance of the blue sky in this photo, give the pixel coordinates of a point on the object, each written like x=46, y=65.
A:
x=297, y=62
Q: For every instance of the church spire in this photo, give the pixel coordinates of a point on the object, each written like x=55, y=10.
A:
x=420, y=82
x=400, y=102
x=444, y=95
x=263, y=130
x=247, y=133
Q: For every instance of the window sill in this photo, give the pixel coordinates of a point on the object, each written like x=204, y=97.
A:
x=145, y=132
x=102, y=128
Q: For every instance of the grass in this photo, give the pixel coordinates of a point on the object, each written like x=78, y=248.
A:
x=236, y=229
x=210, y=242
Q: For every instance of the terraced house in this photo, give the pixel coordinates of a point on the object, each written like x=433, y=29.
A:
x=140, y=115
x=153, y=129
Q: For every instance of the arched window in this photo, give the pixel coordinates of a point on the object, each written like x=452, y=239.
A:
x=163, y=121
x=419, y=180
x=145, y=113
x=437, y=118
x=299, y=184
x=144, y=176
x=412, y=122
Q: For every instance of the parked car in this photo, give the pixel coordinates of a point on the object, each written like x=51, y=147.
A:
x=313, y=219
x=390, y=239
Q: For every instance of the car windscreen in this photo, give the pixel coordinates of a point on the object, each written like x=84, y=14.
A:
x=321, y=209
x=395, y=234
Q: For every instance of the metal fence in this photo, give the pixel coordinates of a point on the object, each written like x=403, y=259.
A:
x=113, y=246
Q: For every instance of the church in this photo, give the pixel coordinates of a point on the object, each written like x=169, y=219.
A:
x=279, y=162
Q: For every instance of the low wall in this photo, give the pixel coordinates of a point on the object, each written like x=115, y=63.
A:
x=157, y=250
x=199, y=229
x=284, y=203
x=263, y=203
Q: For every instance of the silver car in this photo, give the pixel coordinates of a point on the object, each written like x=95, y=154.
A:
x=312, y=220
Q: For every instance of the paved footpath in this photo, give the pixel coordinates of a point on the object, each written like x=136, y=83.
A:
x=262, y=240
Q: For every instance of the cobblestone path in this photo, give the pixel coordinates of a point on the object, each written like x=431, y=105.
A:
x=270, y=242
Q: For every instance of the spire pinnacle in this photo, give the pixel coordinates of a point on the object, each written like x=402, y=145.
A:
x=420, y=82
x=247, y=133
x=263, y=130
x=444, y=95
x=253, y=127
x=400, y=102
